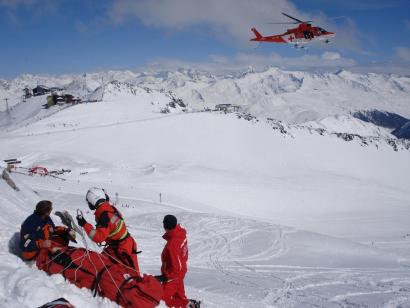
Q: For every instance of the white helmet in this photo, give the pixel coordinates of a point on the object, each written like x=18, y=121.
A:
x=95, y=196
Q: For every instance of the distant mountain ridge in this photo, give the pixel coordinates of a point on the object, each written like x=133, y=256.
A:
x=295, y=97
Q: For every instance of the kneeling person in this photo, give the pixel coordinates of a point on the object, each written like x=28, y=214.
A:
x=38, y=229
x=110, y=228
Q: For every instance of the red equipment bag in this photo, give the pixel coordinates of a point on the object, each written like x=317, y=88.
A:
x=94, y=271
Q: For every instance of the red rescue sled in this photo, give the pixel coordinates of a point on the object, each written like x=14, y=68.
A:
x=94, y=271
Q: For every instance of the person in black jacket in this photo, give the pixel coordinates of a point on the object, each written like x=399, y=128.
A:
x=36, y=231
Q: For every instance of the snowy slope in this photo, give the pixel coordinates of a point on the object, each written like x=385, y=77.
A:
x=119, y=101
x=349, y=124
x=234, y=262
x=29, y=111
x=278, y=215
x=261, y=157
x=79, y=85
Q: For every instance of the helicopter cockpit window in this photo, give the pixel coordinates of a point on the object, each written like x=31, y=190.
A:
x=322, y=30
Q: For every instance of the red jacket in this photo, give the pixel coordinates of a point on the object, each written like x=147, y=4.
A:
x=110, y=225
x=175, y=254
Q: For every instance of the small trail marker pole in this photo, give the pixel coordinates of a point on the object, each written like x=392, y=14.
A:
x=7, y=105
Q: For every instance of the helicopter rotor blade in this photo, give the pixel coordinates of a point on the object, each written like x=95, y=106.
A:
x=283, y=23
x=297, y=20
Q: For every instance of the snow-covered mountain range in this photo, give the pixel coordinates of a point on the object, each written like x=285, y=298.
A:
x=340, y=102
x=293, y=97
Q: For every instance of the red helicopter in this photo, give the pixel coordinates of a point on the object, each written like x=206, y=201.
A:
x=304, y=33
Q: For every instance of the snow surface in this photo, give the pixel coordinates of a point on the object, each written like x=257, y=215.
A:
x=273, y=219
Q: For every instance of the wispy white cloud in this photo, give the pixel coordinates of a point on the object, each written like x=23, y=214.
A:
x=348, y=34
x=332, y=56
x=12, y=7
x=229, y=20
x=222, y=64
x=363, y=5
x=80, y=26
x=327, y=61
x=12, y=17
x=403, y=53
x=16, y=3
x=388, y=67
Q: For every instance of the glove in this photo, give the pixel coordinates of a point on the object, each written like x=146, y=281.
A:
x=81, y=221
x=161, y=278
x=71, y=235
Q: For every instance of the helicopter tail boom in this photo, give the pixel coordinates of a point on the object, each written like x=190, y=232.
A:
x=258, y=36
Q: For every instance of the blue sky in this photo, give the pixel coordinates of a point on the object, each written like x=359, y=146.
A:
x=75, y=36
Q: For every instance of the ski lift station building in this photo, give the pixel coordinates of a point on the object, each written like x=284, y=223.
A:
x=227, y=108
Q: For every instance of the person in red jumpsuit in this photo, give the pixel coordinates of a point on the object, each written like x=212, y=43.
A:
x=111, y=229
x=174, y=259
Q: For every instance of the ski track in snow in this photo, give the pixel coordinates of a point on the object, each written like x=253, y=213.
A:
x=232, y=261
